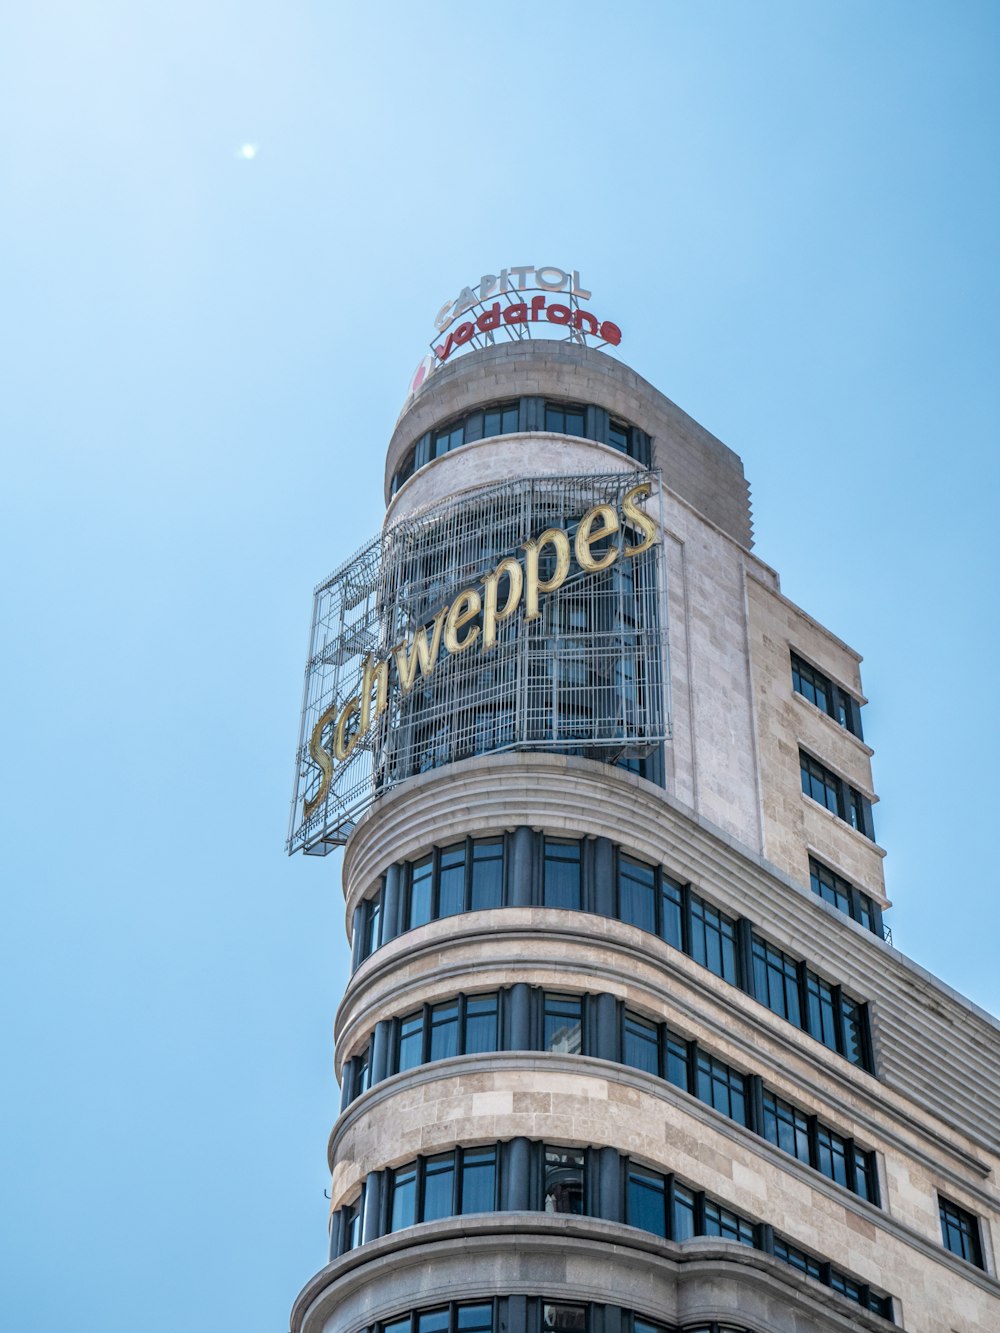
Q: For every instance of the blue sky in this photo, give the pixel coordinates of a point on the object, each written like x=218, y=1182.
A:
x=791, y=211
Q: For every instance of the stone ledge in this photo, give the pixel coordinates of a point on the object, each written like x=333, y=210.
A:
x=571, y=1258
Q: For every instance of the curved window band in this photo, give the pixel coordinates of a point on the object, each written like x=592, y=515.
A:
x=535, y=1314
x=518, y=415
x=525, y=869
x=522, y=1175
x=525, y=1018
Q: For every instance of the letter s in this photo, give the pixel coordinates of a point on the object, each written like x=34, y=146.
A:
x=322, y=761
x=634, y=515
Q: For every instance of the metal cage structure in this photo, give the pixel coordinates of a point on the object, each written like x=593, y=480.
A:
x=588, y=676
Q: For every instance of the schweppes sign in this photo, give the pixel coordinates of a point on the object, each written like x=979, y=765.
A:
x=515, y=588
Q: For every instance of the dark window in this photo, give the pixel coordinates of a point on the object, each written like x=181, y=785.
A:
x=671, y=912
x=563, y=1184
x=787, y=1127
x=640, y=1043
x=562, y=1024
x=721, y=1087
x=819, y=783
x=720, y=1221
x=713, y=939
x=566, y=418
x=479, y=1180
x=563, y=1318
x=620, y=436
x=474, y=1318
x=352, y=1223
x=647, y=1201
x=820, y=690
x=482, y=1024
x=855, y=1027
x=960, y=1232
x=824, y=786
x=451, y=880
x=822, y=1010
x=831, y=1155
x=421, y=885
x=865, y=1175
x=637, y=893
x=410, y=1048
x=682, y=1215
x=439, y=1188
x=796, y=1258
x=563, y=881
x=404, y=1197
x=487, y=874
x=776, y=980
x=677, y=1062
x=443, y=1031
x=833, y=889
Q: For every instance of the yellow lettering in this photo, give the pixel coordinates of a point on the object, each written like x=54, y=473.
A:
x=420, y=652
x=343, y=750
x=381, y=688
x=533, y=584
x=586, y=538
x=491, y=616
x=322, y=761
x=633, y=514
x=464, y=608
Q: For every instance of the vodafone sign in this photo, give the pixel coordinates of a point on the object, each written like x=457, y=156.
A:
x=516, y=303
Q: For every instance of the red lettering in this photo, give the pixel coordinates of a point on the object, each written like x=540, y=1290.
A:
x=558, y=314
x=465, y=331
x=516, y=314
x=537, y=303
x=580, y=315
x=611, y=333
x=445, y=351
x=489, y=319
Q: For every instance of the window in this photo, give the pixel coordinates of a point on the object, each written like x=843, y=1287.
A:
x=467, y=1025
x=443, y=1186
x=821, y=691
x=487, y=874
x=562, y=1024
x=637, y=893
x=824, y=786
x=563, y=1190
x=368, y=926
x=562, y=884
x=647, y=1201
x=960, y=1232
x=838, y=1158
x=721, y=1087
x=829, y=886
x=787, y=1127
x=564, y=1318
x=566, y=418
x=421, y=886
x=640, y=1043
x=776, y=980
x=476, y=1318
x=728, y=1225
x=671, y=912
x=821, y=1007
x=713, y=938
x=470, y=875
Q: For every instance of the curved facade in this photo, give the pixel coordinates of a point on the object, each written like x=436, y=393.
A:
x=624, y=1047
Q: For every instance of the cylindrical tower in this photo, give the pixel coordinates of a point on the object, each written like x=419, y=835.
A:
x=607, y=1053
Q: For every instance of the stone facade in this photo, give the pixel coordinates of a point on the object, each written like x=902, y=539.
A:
x=732, y=823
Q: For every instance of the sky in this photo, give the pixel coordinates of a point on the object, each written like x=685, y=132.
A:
x=791, y=211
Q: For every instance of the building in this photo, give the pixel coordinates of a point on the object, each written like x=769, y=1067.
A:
x=624, y=1047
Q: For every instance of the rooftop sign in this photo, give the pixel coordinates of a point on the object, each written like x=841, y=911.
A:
x=514, y=304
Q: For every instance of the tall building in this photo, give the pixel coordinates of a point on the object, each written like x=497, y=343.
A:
x=625, y=1047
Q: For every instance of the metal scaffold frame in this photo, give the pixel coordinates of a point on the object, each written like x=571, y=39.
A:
x=588, y=676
